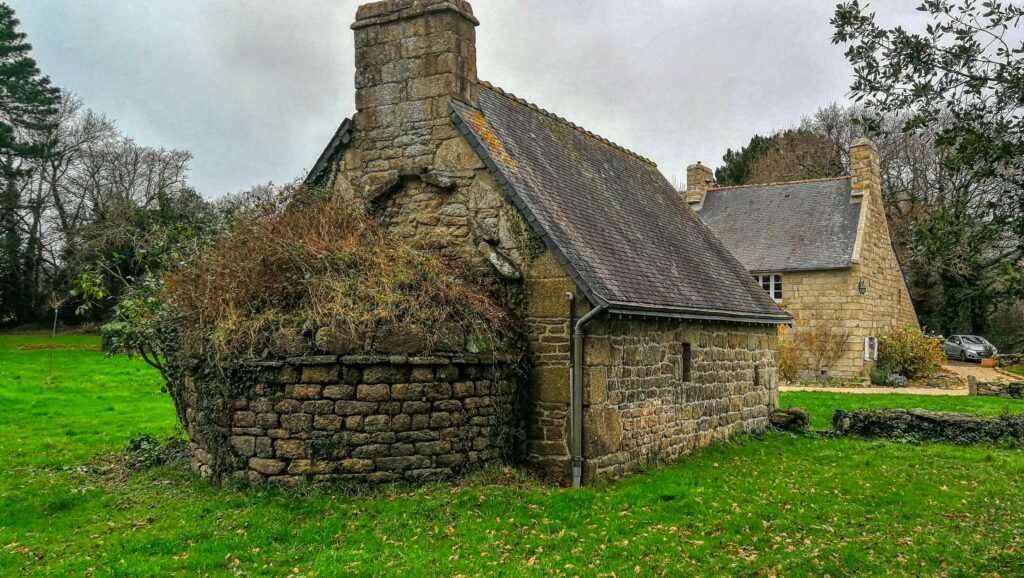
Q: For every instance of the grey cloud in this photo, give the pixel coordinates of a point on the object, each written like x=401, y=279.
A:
x=255, y=89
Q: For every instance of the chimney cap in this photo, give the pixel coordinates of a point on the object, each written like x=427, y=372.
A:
x=387, y=11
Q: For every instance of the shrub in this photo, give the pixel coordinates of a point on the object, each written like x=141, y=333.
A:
x=788, y=358
x=880, y=376
x=145, y=451
x=317, y=261
x=910, y=353
x=824, y=345
x=896, y=380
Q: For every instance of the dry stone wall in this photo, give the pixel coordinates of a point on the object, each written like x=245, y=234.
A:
x=371, y=418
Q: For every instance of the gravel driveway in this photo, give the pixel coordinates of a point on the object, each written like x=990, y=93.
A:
x=964, y=369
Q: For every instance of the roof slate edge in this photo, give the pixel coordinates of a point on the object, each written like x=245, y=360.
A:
x=566, y=122
x=342, y=137
x=596, y=300
x=517, y=200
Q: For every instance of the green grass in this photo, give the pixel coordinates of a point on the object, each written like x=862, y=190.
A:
x=781, y=505
x=821, y=405
x=1017, y=369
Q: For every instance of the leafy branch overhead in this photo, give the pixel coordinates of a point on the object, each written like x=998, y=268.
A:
x=957, y=86
x=961, y=73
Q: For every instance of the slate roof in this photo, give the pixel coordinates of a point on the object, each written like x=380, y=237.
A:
x=329, y=157
x=621, y=230
x=797, y=226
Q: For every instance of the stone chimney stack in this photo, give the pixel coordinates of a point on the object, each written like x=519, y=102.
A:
x=865, y=169
x=698, y=178
x=412, y=57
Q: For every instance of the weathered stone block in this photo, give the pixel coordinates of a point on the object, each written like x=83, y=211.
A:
x=289, y=343
x=595, y=386
x=327, y=422
x=385, y=374
x=244, y=419
x=320, y=374
x=376, y=423
x=340, y=341
x=552, y=383
x=339, y=392
x=422, y=374
x=356, y=466
x=371, y=451
x=297, y=422
x=317, y=407
x=546, y=297
x=303, y=391
x=604, y=427
x=244, y=445
x=406, y=391
x=266, y=420
x=289, y=448
x=374, y=392
x=307, y=467
x=267, y=467
x=355, y=408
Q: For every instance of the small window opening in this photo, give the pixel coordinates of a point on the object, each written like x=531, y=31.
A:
x=772, y=284
x=687, y=362
x=757, y=375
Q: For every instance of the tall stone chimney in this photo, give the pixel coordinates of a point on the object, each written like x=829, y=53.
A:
x=412, y=57
x=698, y=177
x=865, y=169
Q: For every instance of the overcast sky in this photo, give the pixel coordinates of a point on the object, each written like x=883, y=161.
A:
x=255, y=89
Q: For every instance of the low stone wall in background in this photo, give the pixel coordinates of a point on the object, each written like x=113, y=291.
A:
x=925, y=425
x=357, y=417
x=1010, y=359
x=1012, y=390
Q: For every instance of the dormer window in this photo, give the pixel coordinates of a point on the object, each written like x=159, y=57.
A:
x=772, y=284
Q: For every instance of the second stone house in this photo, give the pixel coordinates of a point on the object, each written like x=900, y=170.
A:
x=646, y=337
x=821, y=249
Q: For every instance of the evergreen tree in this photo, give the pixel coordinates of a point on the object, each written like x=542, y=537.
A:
x=28, y=106
x=738, y=164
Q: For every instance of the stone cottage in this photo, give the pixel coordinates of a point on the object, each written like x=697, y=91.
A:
x=646, y=337
x=821, y=249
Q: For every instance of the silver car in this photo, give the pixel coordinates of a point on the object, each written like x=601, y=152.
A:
x=968, y=347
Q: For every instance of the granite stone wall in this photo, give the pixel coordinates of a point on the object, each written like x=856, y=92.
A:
x=832, y=300
x=654, y=390
x=375, y=409
x=369, y=418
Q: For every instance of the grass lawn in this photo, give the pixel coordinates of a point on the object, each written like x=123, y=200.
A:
x=821, y=405
x=781, y=505
x=1017, y=369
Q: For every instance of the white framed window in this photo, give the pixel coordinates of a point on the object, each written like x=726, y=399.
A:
x=771, y=283
x=870, y=349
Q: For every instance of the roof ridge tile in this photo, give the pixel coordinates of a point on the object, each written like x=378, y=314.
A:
x=779, y=183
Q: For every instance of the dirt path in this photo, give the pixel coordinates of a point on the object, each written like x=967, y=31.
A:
x=878, y=390
x=980, y=373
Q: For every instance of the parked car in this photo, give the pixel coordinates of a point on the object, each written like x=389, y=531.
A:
x=968, y=347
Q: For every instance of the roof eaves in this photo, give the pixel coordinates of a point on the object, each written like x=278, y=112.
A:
x=648, y=310
x=339, y=142
x=812, y=269
x=517, y=200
